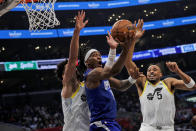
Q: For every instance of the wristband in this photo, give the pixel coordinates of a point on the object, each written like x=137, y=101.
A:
x=111, y=58
x=131, y=80
x=191, y=84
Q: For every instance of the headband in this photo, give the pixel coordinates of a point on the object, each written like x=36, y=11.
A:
x=89, y=53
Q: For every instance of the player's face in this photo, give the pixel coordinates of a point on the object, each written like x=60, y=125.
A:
x=94, y=60
x=154, y=73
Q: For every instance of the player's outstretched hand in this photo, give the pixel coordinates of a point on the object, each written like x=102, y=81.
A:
x=139, y=32
x=172, y=66
x=112, y=43
x=80, y=24
x=135, y=73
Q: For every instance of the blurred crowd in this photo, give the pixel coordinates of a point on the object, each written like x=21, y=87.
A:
x=34, y=117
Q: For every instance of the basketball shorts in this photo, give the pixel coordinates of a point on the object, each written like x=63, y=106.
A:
x=146, y=127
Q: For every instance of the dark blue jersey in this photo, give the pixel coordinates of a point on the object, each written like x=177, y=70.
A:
x=101, y=101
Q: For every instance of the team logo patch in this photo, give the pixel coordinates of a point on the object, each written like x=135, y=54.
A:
x=106, y=85
x=157, y=92
x=83, y=97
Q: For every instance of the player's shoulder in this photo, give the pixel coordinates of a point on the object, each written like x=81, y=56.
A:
x=169, y=80
x=95, y=71
x=94, y=74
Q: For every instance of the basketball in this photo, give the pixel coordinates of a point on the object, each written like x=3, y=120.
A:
x=120, y=29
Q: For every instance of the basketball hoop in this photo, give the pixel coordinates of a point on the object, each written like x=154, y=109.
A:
x=41, y=14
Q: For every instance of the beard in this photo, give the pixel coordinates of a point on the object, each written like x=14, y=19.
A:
x=153, y=81
x=94, y=65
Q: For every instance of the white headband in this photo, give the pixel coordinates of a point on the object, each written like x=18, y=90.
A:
x=89, y=53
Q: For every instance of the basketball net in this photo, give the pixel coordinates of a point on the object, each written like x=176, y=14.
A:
x=41, y=14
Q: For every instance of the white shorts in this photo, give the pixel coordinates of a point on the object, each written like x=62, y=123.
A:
x=146, y=127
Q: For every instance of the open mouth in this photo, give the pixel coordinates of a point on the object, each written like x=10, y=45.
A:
x=100, y=63
x=151, y=76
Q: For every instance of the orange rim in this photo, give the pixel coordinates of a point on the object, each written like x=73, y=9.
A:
x=28, y=1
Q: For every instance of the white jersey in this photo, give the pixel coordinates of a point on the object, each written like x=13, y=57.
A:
x=157, y=105
x=76, y=111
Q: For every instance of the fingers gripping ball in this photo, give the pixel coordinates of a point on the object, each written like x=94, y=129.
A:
x=121, y=29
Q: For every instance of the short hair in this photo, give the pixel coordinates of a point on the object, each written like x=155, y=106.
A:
x=60, y=69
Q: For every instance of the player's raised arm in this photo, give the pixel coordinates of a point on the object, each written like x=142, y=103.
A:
x=112, y=53
x=187, y=83
x=69, y=76
x=101, y=74
x=74, y=46
x=129, y=64
x=138, y=34
x=123, y=85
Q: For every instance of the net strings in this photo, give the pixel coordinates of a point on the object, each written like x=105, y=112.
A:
x=41, y=14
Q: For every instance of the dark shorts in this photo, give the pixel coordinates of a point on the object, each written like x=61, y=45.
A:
x=105, y=125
